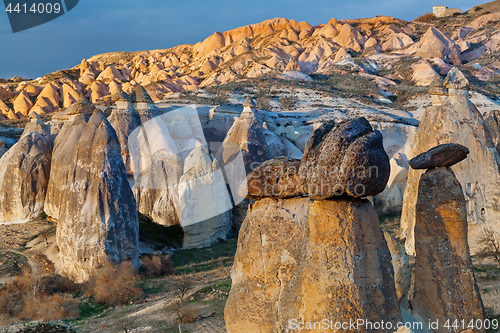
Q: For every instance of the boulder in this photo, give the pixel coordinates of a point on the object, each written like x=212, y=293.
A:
x=444, y=155
x=49, y=96
x=350, y=38
x=158, y=150
x=24, y=175
x=276, y=147
x=276, y=178
x=396, y=41
x=328, y=31
x=110, y=74
x=5, y=93
x=434, y=43
x=291, y=150
x=213, y=42
x=205, y=204
x=310, y=261
x=246, y=136
x=457, y=120
x=292, y=65
x=154, y=190
x=157, y=167
x=36, y=125
x=22, y=104
x=69, y=95
x=371, y=42
x=346, y=159
x=221, y=120
x=31, y=90
x=423, y=74
x=4, y=109
x=445, y=286
x=87, y=77
x=98, y=220
x=342, y=54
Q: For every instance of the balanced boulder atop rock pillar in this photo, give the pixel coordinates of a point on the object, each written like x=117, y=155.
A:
x=445, y=286
x=348, y=159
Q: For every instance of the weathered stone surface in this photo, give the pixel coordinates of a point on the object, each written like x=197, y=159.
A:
x=457, y=120
x=246, y=137
x=274, y=144
x=401, y=265
x=125, y=122
x=153, y=192
x=36, y=125
x=437, y=91
x=291, y=150
x=62, y=155
x=492, y=120
x=158, y=148
x=24, y=175
x=444, y=155
x=97, y=220
x=348, y=159
x=276, y=178
x=204, y=203
x=435, y=43
x=445, y=286
x=310, y=260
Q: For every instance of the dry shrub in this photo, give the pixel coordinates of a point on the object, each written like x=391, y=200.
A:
x=58, y=306
x=151, y=266
x=114, y=285
x=167, y=266
x=53, y=284
x=156, y=266
x=490, y=245
x=427, y=17
x=185, y=314
x=24, y=298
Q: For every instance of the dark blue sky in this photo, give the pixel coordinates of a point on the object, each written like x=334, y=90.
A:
x=98, y=26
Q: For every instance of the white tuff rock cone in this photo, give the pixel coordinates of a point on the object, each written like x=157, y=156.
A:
x=97, y=220
x=24, y=174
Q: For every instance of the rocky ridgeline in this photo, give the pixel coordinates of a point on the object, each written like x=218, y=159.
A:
x=285, y=233
x=277, y=46
x=445, y=286
x=454, y=119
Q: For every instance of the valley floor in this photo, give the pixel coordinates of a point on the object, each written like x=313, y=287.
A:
x=208, y=269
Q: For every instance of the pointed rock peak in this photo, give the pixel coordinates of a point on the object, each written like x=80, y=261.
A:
x=436, y=87
x=140, y=95
x=120, y=95
x=249, y=103
x=97, y=118
x=82, y=106
x=35, y=117
x=333, y=21
x=82, y=99
x=456, y=80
